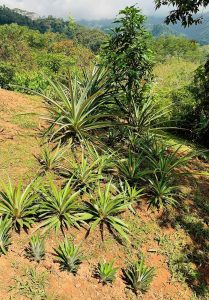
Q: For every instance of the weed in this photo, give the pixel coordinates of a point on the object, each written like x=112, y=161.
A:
x=31, y=285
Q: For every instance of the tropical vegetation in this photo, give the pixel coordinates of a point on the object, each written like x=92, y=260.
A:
x=109, y=161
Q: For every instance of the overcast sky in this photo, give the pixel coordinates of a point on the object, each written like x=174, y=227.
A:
x=80, y=9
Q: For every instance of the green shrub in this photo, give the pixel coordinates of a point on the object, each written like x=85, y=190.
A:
x=30, y=81
x=7, y=73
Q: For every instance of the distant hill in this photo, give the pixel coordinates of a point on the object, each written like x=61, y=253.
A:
x=91, y=32
x=91, y=38
x=156, y=25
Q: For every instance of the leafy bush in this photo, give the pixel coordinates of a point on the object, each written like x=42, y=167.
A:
x=19, y=204
x=36, y=249
x=138, y=276
x=6, y=75
x=69, y=256
x=5, y=227
x=106, y=272
x=128, y=58
x=26, y=54
x=199, y=119
x=30, y=81
x=168, y=46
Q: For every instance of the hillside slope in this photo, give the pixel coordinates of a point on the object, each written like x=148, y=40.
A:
x=18, y=134
x=173, y=249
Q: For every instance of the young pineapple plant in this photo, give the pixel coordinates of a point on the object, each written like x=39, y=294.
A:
x=76, y=110
x=69, y=256
x=86, y=172
x=138, y=276
x=19, y=204
x=162, y=193
x=104, y=209
x=59, y=207
x=131, y=168
x=36, y=249
x=106, y=272
x=51, y=159
x=163, y=163
x=132, y=195
x=5, y=227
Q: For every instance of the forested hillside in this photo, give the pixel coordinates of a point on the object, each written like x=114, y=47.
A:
x=90, y=38
x=25, y=54
x=157, y=27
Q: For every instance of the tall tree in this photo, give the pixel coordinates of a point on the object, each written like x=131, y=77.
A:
x=128, y=57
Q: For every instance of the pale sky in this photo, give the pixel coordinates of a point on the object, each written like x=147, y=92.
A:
x=81, y=9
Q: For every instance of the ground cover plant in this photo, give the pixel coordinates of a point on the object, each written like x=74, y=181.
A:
x=108, y=187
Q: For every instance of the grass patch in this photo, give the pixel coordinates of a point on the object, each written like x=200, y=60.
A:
x=31, y=285
x=25, y=121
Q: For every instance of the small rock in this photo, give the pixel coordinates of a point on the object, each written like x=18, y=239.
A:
x=47, y=265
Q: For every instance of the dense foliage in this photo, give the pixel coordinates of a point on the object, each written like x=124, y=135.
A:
x=168, y=46
x=25, y=54
x=184, y=10
x=128, y=58
x=90, y=38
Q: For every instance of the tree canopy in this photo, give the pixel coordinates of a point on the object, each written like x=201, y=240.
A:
x=184, y=11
